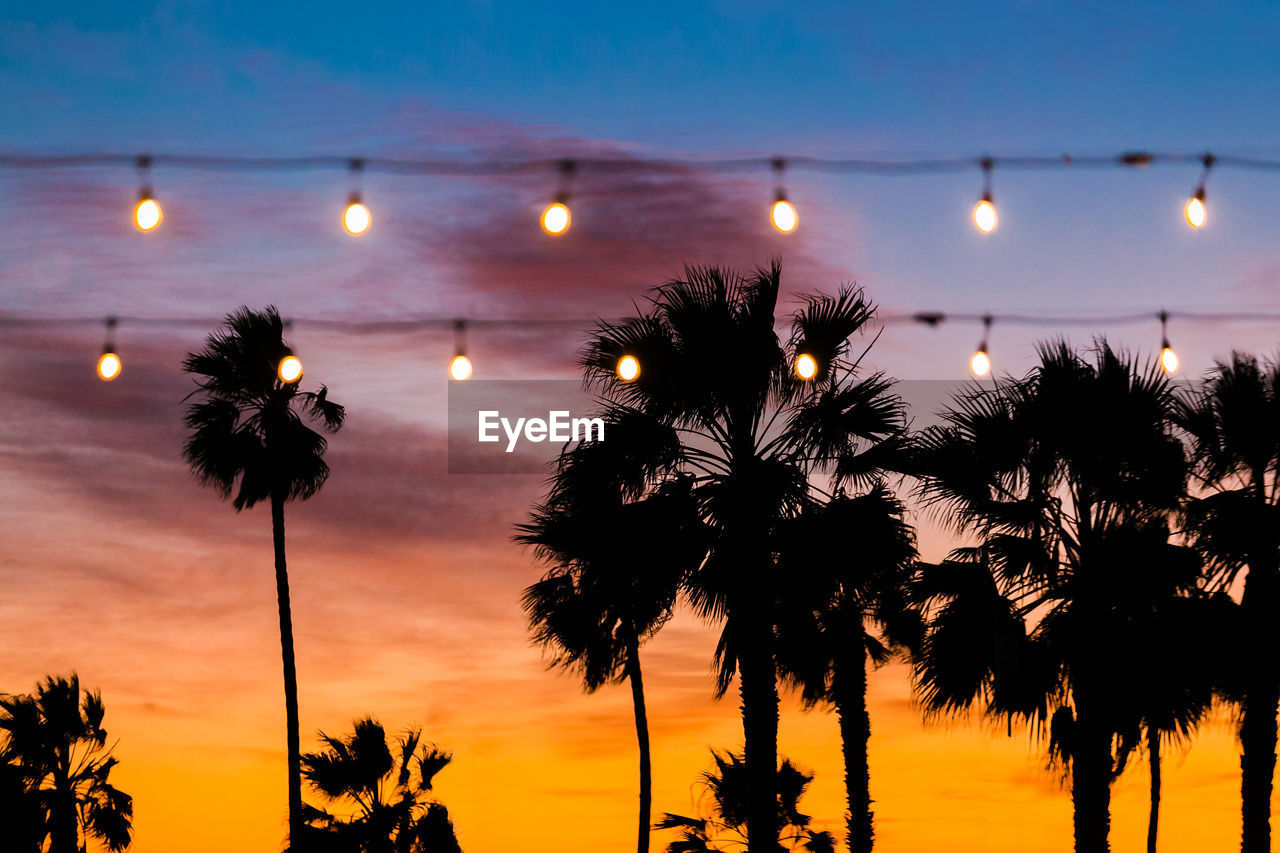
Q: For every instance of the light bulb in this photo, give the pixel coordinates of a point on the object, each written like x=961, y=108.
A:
x=109, y=366
x=555, y=219
x=784, y=216
x=460, y=368
x=1195, y=211
x=806, y=366
x=984, y=215
x=290, y=370
x=980, y=364
x=356, y=217
x=628, y=368
x=147, y=214
x=1168, y=359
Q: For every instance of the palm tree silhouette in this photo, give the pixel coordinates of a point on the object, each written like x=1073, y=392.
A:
x=857, y=614
x=742, y=436
x=1053, y=474
x=385, y=794
x=250, y=440
x=728, y=786
x=57, y=747
x=617, y=566
x=1233, y=422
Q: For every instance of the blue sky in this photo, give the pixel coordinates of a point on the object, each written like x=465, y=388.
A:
x=701, y=79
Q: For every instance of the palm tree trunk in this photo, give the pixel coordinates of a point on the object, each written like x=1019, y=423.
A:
x=642, y=739
x=1153, y=754
x=1091, y=782
x=290, y=674
x=1258, y=709
x=855, y=731
x=1257, y=762
x=758, y=687
x=66, y=828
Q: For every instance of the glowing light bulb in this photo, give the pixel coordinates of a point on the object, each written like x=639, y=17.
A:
x=109, y=366
x=980, y=364
x=147, y=214
x=628, y=368
x=784, y=216
x=984, y=215
x=356, y=218
x=555, y=219
x=1195, y=211
x=1168, y=359
x=806, y=366
x=460, y=368
x=290, y=369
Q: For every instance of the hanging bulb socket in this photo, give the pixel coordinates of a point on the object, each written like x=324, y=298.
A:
x=984, y=212
x=1168, y=358
x=783, y=213
x=109, y=364
x=1195, y=211
x=356, y=218
x=555, y=216
x=460, y=365
x=146, y=213
x=980, y=363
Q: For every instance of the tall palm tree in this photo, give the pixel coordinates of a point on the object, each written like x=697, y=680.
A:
x=617, y=565
x=55, y=739
x=857, y=615
x=250, y=439
x=1233, y=423
x=717, y=378
x=1061, y=476
x=385, y=794
x=728, y=786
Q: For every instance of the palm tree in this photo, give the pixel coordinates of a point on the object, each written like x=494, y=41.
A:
x=250, y=440
x=22, y=823
x=858, y=614
x=728, y=786
x=617, y=566
x=1066, y=478
x=1233, y=423
x=718, y=381
x=55, y=741
x=385, y=791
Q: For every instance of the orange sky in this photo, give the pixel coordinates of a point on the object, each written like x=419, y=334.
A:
x=406, y=606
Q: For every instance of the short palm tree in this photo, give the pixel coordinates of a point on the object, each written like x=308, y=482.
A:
x=1058, y=475
x=1233, y=421
x=249, y=438
x=55, y=741
x=384, y=792
x=716, y=377
x=858, y=615
x=725, y=826
x=619, y=552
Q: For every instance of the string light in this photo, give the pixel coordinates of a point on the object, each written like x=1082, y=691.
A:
x=1168, y=358
x=355, y=217
x=806, y=366
x=628, y=368
x=1195, y=211
x=980, y=363
x=460, y=365
x=109, y=364
x=984, y=212
x=783, y=213
x=146, y=213
x=555, y=217
x=290, y=370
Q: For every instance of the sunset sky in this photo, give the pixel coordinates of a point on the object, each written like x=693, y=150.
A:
x=116, y=564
